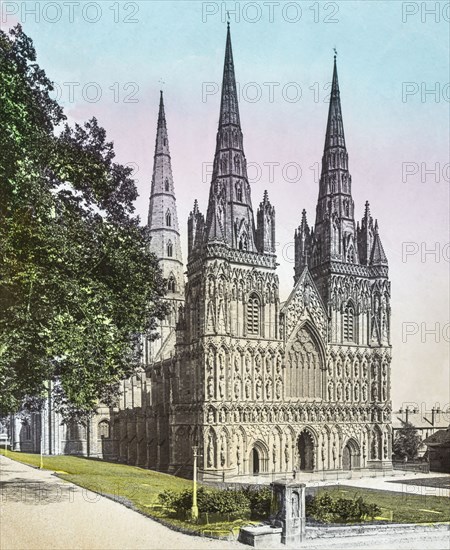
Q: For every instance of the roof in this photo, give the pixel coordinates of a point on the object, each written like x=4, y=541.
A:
x=441, y=438
x=421, y=419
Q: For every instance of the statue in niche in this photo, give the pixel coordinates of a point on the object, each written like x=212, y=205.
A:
x=264, y=416
x=222, y=416
x=237, y=364
x=338, y=369
x=347, y=392
x=238, y=454
x=278, y=389
x=295, y=505
x=385, y=448
x=268, y=364
x=364, y=392
x=356, y=391
x=210, y=451
x=278, y=368
x=257, y=364
x=258, y=388
x=339, y=392
x=374, y=391
x=384, y=390
x=237, y=389
x=365, y=370
x=286, y=454
x=222, y=386
x=356, y=369
x=247, y=388
x=222, y=453
x=210, y=387
x=364, y=449
x=274, y=454
x=211, y=416
x=374, y=447
x=247, y=364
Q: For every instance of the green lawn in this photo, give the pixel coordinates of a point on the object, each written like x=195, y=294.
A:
x=137, y=485
x=401, y=507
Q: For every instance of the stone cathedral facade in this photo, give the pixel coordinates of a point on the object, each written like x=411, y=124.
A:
x=260, y=386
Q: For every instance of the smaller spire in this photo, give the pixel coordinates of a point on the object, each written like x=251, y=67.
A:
x=161, y=114
x=367, y=210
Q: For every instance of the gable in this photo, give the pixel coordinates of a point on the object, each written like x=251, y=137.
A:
x=304, y=304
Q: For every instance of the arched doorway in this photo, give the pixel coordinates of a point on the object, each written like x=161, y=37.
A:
x=255, y=461
x=350, y=455
x=306, y=451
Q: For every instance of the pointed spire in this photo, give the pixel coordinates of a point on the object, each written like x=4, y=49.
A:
x=229, y=218
x=335, y=129
x=378, y=256
x=161, y=114
x=162, y=213
x=229, y=109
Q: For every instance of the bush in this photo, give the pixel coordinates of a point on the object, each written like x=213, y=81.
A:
x=223, y=502
x=260, y=501
x=324, y=507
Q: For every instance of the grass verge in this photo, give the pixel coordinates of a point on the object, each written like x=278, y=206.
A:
x=398, y=507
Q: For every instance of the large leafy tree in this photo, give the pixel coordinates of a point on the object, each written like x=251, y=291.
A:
x=78, y=285
x=407, y=442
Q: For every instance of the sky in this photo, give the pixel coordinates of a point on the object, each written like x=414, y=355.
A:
x=109, y=59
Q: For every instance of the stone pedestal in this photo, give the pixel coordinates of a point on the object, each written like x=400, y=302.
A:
x=290, y=511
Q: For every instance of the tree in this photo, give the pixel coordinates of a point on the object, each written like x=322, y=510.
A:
x=407, y=442
x=78, y=285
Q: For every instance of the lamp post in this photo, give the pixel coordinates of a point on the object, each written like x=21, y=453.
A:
x=194, y=509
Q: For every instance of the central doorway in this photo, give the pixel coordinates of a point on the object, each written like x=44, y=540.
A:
x=350, y=455
x=255, y=460
x=306, y=451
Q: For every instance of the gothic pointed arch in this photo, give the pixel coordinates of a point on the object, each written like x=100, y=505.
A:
x=305, y=363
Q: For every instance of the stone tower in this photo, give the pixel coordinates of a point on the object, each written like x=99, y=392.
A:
x=165, y=238
x=228, y=344
x=350, y=270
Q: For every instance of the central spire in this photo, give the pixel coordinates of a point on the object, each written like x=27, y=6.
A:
x=335, y=129
x=229, y=218
x=229, y=109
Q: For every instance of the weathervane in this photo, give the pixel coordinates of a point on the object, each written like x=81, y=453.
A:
x=335, y=53
x=161, y=81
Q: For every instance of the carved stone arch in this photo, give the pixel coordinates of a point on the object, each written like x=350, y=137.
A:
x=351, y=454
x=305, y=363
x=258, y=457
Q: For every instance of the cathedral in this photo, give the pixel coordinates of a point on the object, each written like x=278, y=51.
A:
x=260, y=386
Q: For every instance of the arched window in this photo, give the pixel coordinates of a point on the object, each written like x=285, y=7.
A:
x=103, y=429
x=171, y=284
x=169, y=249
x=349, y=323
x=168, y=218
x=253, y=315
x=166, y=185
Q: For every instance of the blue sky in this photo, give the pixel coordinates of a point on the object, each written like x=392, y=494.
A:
x=381, y=46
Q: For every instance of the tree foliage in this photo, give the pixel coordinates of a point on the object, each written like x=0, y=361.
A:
x=407, y=442
x=78, y=285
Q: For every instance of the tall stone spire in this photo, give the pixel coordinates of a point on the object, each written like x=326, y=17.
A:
x=229, y=218
x=162, y=214
x=335, y=225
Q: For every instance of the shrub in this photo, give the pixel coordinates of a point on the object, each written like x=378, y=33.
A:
x=260, y=501
x=223, y=502
x=324, y=507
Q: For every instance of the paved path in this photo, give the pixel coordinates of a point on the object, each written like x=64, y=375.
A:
x=40, y=511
